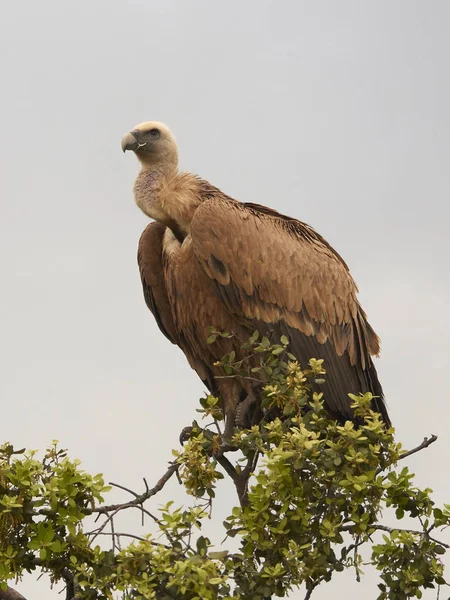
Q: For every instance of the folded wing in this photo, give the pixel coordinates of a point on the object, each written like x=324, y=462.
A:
x=277, y=274
x=150, y=263
x=153, y=276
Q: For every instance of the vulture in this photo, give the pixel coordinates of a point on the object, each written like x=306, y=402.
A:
x=209, y=260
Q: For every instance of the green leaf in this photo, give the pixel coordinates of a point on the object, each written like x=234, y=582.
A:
x=265, y=342
x=254, y=337
x=218, y=555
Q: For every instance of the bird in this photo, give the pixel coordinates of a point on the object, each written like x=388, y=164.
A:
x=208, y=260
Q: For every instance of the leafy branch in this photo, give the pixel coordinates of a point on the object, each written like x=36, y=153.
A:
x=311, y=497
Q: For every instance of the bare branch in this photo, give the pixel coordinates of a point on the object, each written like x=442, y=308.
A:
x=355, y=560
x=125, y=489
x=245, y=378
x=426, y=442
x=139, y=499
x=130, y=535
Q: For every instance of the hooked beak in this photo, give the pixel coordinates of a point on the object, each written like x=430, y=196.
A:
x=130, y=141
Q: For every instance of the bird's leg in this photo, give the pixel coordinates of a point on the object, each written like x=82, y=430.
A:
x=230, y=417
x=243, y=409
x=230, y=391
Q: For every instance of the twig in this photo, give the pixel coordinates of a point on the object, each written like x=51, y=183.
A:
x=111, y=510
x=379, y=527
x=425, y=533
x=113, y=537
x=108, y=520
x=244, y=377
x=426, y=442
x=355, y=560
x=130, y=535
x=139, y=499
x=125, y=489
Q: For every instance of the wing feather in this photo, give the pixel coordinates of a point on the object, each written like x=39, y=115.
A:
x=274, y=272
x=150, y=263
x=153, y=270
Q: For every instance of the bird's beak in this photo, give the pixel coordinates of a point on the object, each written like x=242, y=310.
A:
x=129, y=141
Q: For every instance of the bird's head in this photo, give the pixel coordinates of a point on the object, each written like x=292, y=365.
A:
x=153, y=143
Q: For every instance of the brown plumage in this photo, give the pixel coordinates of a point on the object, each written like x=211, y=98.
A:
x=210, y=260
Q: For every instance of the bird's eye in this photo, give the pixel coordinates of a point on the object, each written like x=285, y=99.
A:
x=154, y=133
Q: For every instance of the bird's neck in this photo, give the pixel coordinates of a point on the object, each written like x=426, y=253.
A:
x=167, y=196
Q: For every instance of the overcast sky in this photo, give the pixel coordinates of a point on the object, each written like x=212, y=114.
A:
x=333, y=112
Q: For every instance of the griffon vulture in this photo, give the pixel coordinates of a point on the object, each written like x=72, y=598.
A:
x=209, y=260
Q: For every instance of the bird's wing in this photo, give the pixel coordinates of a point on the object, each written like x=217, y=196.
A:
x=276, y=272
x=150, y=261
x=153, y=276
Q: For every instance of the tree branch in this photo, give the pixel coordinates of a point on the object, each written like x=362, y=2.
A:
x=10, y=594
x=125, y=489
x=227, y=466
x=380, y=527
x=426, y=442
x=139, y=498
x=241, y=480
x=312, y=588
x=70, y=584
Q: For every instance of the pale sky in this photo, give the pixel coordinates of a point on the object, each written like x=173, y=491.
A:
x=336, y=113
